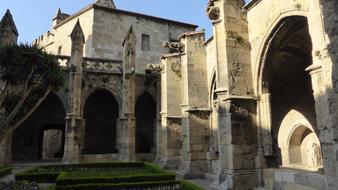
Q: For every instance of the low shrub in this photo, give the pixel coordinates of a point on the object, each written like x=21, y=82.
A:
x=48, y=174
x=53, y=187
x=63, y=179
x=18, y=186
x=5, y=171
x=93, y=166
x=186, y=185
x=156, y=168
x=174, y=185
x=36, y=176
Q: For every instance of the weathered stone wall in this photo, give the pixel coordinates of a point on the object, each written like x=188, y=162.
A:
x=59, y=35
x=52, y=144
x=111, y=26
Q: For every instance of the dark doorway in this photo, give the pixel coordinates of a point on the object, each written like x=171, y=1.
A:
x=101, y=113
x=145, y=111
x=27, y=143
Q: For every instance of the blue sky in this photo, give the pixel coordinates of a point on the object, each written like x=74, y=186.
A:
x=33, y=17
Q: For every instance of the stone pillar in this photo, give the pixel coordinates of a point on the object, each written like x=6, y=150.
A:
x=170, y=131
x=322, y=18
x=74, y=121
x=8, y=32
x=194, y=107
x=265, y=124
x=236, y=102
x=128, y=121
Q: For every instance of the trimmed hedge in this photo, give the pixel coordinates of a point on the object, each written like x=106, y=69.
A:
x=63, y=179
x=49, y=174
x=186, y=185
x=5, y=171
x=53, y=187
x=33, y=175
x=110, y=186
x=98, y=166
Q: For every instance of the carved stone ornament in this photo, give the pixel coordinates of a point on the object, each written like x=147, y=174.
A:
x=153, y=69
x=212, y=11
x=174, y=47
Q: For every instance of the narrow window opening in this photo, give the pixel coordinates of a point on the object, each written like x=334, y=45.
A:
x=145, y=42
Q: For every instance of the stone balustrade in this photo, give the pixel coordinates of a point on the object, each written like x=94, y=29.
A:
x=94, y=64
x=102, y=65
x=63, y=60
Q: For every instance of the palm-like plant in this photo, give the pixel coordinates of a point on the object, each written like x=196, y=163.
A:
x=27, y=75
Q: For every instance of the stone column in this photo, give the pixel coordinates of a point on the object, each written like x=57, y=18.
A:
x=194, y=107
x=322, y=18
x=170, y=131
x=74, y=121
x=236, y=103
x=128, y=121
x=159, y=133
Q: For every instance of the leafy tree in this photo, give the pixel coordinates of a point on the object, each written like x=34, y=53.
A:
x=27, y=75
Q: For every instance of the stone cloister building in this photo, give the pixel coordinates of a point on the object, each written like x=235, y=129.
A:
x=253, y=107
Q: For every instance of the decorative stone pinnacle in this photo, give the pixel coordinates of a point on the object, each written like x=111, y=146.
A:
x=8, y=22
x=130, y=37
x=77, y=33
x=106, y=3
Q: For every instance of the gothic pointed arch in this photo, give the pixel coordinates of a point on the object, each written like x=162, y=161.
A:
x=42, y=135
x=285, y=85
x=101, y=112
x=145, y=112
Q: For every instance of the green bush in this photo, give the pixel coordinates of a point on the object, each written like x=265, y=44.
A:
x=98, y=166
x=5, y=171
x=110, y=186
x=63, y=179
x=53, y=187
x=190, y=186
x=36, y=176
x=49, y=174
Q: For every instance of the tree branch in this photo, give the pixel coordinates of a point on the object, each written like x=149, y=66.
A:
x=3, y=131
x=26, y=91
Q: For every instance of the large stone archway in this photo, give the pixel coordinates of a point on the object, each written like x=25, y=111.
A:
x=101, y=112
x=285, y=84
x=32, y=141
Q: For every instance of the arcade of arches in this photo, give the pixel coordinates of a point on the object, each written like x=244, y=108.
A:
x=254, y=106
x=41, y=137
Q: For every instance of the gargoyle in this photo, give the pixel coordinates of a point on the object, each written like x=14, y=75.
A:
x=174, y=47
